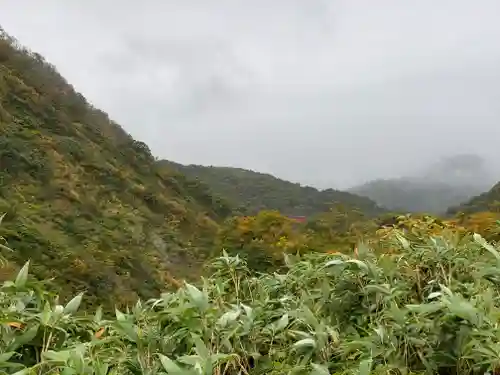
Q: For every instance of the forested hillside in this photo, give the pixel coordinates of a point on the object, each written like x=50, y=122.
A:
x=252, y=192
x=83, y=200
x=487, y=201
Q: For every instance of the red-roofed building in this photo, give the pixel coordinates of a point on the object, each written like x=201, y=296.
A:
x=299, y=219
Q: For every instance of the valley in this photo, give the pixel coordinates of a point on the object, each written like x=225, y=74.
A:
x=116, y=262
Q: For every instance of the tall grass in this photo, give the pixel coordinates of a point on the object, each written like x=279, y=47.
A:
x=430, y=305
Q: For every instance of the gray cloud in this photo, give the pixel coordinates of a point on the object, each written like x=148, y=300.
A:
x=324, y=92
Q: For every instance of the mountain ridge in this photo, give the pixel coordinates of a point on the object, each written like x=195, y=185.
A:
x=444, y=184
x=262, y=191
x=486, y=201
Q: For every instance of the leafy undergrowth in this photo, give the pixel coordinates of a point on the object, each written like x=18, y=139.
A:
x=429, y=306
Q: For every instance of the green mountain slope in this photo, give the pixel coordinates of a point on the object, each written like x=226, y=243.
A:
x=85, y=201
x=486, y=201
x=252, y=192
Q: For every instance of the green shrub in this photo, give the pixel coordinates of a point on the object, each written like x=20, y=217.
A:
x=430, y=307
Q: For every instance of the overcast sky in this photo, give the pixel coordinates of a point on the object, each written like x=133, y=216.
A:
x=329, y=93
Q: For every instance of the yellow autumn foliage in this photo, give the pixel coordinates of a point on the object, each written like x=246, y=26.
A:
x=263, y=238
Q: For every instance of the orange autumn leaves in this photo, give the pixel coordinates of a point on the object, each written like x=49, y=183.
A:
x=18, y=325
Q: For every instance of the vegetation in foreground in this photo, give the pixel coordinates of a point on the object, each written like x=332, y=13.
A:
x=414, y=304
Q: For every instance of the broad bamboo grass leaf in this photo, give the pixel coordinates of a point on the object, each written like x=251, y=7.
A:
x=22, y=276
x=431, y=306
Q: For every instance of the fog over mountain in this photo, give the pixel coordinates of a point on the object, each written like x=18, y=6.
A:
x=464, y=170
x=446, y=183
x=331, y=93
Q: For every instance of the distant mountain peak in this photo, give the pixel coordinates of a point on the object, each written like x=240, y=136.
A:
x=460, y=169
x=447, y=182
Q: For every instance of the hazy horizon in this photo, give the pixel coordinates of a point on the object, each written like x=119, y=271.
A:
x=325, y=93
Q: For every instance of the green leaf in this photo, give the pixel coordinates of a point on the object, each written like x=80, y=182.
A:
x=281, y=323
x=2, y=246
x=384, y=289
x=289, y=260
x=304, y=343
x=485, y=245
x=307, y=315
x=248, y=311
x=25, y=338
x=425, y=308
x=359, y=263
x=22, y=276
x=120, y=316
x=334, y=262
x=4, y=357
x=170, y=366
x=319, y=370
x=363, y=250
x=58, y=311
x=403, y=241
x=128, y=329
x=73, y=305
x=101, y=368
x=365, y=366
x=190, y=360
x=228, y=317
x=70, y=371
x=46, y=314
x=53, y=356
x=98, y=315
x=201, y=349
x=434, y=295
x=24, y=371
x=445, y=289
x=198, y=297
x=77, y=358
x=463, y=309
